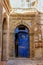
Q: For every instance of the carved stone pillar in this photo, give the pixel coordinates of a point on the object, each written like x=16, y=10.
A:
x=7, y=38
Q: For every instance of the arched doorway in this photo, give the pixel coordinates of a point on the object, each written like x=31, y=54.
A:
x=22, y=41
x=4, y=38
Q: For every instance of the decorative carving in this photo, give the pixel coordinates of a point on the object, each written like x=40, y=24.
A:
x=38, y=45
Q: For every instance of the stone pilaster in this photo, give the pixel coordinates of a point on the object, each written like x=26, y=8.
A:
x=7, y=38
x=0, y=27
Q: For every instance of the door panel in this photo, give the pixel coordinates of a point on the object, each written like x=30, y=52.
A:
x=23, y=45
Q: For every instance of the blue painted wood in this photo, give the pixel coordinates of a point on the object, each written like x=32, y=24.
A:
x=23, y=42
x=23, y=45
x=17, y=30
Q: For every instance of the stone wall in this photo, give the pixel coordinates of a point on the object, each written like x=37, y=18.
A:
x=41, y=24
x=34, y=28
x=32, y=23
x=14, y=22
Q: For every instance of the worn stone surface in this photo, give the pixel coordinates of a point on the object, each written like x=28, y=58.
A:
x=24, y=62
x=2, y=62
x=8, y=36
x=10, y=22
x=0, y=27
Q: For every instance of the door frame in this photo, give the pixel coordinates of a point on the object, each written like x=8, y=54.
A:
x=28, y=36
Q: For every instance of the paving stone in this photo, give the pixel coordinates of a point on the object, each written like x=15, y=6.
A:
x=24, y=62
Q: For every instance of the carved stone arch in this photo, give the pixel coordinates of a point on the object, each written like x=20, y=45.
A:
x=4, y=16
x=23, y=24
x=31, y=43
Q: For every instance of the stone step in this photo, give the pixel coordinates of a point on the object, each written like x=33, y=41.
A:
x=24, y=62
x=2, y=62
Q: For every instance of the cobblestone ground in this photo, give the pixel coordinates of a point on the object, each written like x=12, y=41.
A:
x=25, y=62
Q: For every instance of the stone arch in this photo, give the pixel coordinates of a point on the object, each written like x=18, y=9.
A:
x=4, y=24
x=4, y=16
x=4, y=21
x=12, y=37
x=4, y=36
x=22, y=23
x=28, y=37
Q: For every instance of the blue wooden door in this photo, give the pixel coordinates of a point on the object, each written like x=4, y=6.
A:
x=23, y=45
